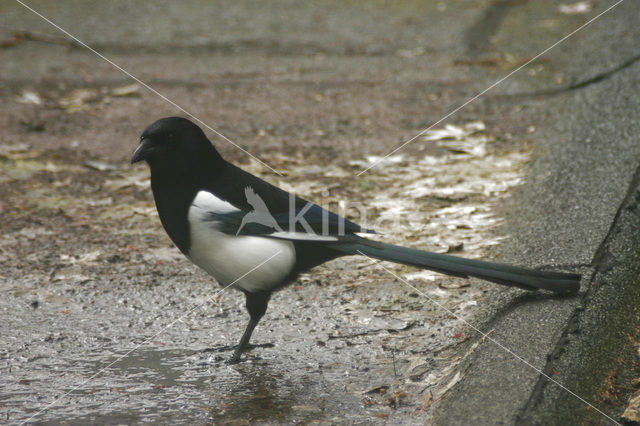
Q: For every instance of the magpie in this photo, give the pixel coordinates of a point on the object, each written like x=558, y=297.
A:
x=257, y=238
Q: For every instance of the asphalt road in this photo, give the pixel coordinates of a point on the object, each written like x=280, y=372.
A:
x=578, y=208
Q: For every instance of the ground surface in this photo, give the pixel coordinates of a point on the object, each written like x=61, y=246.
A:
x=104, y=321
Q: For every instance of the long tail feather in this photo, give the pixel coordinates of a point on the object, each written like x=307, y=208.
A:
x=499, y=273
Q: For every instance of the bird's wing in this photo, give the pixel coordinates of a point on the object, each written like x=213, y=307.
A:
x=297, y=218
x=309, y=223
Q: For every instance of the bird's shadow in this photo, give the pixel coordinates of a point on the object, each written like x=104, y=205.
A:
x=228, y=348
x=532, y=298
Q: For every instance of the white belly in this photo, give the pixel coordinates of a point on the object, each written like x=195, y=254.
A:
x=250, y=263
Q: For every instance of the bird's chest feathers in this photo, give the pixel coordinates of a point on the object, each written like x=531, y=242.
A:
x=172, y=202
x=251, y=263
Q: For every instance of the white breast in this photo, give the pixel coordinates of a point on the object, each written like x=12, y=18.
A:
x=228, y=257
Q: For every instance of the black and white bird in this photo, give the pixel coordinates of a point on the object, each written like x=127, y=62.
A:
x=256, y=237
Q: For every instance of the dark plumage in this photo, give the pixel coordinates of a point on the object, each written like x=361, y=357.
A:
x=228, y=221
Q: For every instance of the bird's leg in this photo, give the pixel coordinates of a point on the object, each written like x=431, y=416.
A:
x=256, y=306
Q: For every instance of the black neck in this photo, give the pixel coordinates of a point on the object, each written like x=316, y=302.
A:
x=174, y=192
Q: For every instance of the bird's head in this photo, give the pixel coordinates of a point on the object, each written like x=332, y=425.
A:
x=171, y=141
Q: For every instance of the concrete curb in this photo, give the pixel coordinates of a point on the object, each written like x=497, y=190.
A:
x=578, y=211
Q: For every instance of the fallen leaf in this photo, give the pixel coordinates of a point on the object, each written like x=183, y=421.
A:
x=632, y=412
x=578, y=8
x=381, y=389
x=129, y=90
x=79, y=98
x=140, y=179
x=101, y=166
x=8, y=151
x=29, y=97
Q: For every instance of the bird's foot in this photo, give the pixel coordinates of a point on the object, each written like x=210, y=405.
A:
x=235, y=358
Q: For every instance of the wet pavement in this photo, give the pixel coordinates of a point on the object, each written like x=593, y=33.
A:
x=129, y=330
x=102, y=319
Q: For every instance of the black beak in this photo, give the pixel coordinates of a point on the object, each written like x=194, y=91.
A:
x=143, y=151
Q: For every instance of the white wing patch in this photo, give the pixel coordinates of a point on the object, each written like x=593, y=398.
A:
x=207, y=201
x=303, y=236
